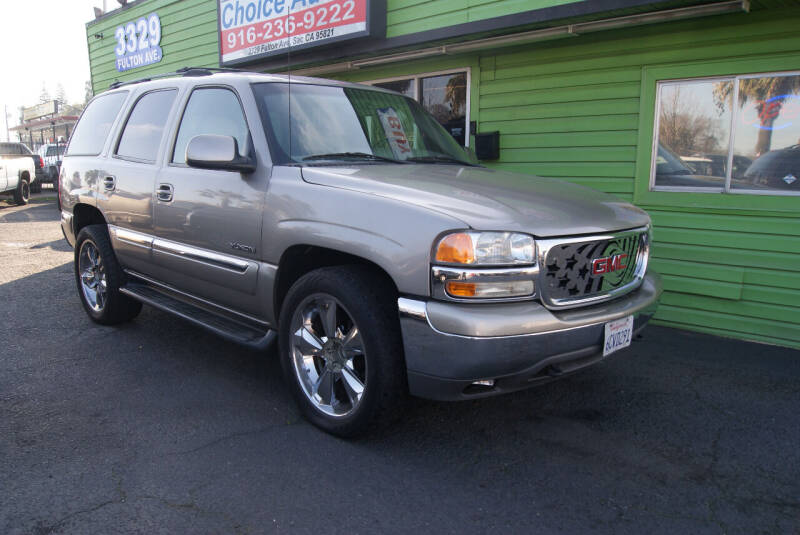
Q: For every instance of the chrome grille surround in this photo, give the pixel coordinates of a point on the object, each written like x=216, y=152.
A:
x=566, y=279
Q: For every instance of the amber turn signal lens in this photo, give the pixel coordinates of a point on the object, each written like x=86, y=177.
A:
x=456, y=249
x=461, y=289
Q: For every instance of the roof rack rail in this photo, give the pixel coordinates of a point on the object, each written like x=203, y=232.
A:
x=183, y=71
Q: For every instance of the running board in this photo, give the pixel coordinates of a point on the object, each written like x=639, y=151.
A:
x=251, y=336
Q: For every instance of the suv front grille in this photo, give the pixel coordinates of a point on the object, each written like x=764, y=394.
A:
x=567, y=277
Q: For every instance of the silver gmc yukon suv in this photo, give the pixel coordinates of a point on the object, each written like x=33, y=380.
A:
x=345, y=222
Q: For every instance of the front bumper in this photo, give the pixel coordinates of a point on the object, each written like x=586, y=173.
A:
x=451, y=346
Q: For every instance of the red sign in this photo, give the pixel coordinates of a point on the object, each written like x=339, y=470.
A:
x=255, y=28
x=601, y=266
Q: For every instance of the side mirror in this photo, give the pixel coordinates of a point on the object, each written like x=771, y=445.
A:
x=209, y=151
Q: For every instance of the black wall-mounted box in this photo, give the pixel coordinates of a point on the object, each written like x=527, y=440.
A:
x=487, y=145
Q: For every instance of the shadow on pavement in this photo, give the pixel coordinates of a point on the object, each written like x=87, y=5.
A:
x=36, y=210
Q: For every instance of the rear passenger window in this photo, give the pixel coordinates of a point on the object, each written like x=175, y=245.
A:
x=142, y=134
x=95, y=123
x=211, y=110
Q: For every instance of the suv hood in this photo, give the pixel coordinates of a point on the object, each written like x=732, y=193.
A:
x=485, y=199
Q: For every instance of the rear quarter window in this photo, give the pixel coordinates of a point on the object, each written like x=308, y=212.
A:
x=94, y=125
x=141, y=137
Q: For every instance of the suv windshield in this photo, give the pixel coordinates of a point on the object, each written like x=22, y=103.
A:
x=334, y=124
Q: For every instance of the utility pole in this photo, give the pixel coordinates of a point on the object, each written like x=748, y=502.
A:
x=5, y=109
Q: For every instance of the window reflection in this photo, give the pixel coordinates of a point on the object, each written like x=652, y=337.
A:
x=693, y=134
x=404, y=87
x=768, y=132
x=701, y=132
x=445, y=97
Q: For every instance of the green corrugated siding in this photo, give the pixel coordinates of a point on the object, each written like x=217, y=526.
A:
x=411, y=16
x=571, y=109
x=189, y=38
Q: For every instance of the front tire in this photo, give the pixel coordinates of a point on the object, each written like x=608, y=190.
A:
x=341, y=350
x=99, y=277
x=23, y=192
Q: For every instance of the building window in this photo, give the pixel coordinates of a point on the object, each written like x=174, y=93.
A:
x=733, y=134
x=444, y=95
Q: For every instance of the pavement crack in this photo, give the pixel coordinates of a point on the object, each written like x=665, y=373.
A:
x=230, y=436
x=44, y=530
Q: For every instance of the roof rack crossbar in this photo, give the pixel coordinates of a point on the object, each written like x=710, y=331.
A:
x=183, y=71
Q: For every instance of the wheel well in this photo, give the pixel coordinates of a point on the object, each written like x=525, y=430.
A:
x=84, y=214
x=25, y=176
x=301, y=259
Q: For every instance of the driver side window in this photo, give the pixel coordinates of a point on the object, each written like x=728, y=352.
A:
x=211, y=110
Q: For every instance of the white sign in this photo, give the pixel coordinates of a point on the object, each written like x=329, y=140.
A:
x=256, y=28
x=395, y=133
x=40, y=110
x=138, y=43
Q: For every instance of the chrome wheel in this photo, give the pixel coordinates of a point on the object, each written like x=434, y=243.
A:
x=328, y=355
x=93, y=276
x=26, y=191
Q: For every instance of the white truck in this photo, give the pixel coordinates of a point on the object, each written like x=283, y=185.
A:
x=16, y=171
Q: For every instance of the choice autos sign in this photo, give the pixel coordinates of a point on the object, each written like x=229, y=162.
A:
x=138, y=43
x=251, y=29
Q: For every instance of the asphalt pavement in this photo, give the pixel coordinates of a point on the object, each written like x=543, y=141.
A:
x=158, y=427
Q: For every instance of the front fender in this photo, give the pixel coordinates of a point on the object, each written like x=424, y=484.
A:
x=392, y=234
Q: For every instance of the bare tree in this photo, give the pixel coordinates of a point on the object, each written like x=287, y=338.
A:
x=61, y=95
x=684, y=128
x=44, y=95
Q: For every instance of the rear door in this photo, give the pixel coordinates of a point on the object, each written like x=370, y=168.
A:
x=125, y=187
x=208, y=222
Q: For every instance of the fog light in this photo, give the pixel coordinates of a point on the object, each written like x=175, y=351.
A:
x=484, y=382
x=489, y=289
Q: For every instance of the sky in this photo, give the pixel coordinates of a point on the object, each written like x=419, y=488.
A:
x=43, y=41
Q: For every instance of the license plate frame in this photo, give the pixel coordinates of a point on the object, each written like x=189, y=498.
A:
x=618, y=335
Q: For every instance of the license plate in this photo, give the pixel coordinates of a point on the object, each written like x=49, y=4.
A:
x=618, y=335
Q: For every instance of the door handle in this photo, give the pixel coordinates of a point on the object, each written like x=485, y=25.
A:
x=164, y=192
x=109, y=183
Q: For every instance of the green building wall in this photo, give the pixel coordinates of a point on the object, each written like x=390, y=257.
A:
x=581, y=109
x=189, y=38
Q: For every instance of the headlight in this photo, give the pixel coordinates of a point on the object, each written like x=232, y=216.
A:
x=486, y=249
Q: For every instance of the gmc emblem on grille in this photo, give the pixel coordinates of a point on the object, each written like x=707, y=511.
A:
x=601, y=266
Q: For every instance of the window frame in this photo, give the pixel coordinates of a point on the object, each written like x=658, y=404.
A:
x=185, y=104
x=417, y=77
x=643, y=195
x=124, y=125
x=735, y=114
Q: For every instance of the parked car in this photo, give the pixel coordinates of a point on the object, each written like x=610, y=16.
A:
x=777, y=169
x=345, y=221
x=674, y=171
x=16, y=171
x=52, y=155
x=717, y=164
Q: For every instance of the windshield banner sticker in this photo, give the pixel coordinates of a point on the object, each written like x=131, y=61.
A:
x=395, y=133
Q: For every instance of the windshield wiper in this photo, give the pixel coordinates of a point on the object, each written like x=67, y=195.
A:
x=438, y=159
x=350, y=156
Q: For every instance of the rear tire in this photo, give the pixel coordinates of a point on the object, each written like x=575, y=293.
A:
x=341, y=351
x=99, y=277
x=23, y=192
